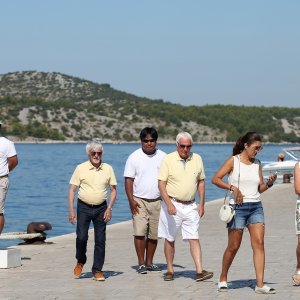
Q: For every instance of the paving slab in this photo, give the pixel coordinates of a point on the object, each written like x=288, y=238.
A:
x=47, y=269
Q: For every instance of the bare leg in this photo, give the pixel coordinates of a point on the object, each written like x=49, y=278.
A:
x=298, y=253
x=296, y=277
x=2, y=221
x=257, y=233
x=196, y=253
x=169, y=253
x=234, y=241
x=140, y=246
x=150, y=250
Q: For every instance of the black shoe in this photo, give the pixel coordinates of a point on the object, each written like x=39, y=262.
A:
x=142, y=269
x=154, y=268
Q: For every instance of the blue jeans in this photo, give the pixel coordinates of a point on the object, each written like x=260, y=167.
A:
x=246, y=214
x=86, y=214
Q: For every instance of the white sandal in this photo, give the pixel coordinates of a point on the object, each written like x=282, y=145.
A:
x=222, y=286
x=296, y=281
x=265, y=289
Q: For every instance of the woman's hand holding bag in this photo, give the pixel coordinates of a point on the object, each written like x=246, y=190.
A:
x=226, y=212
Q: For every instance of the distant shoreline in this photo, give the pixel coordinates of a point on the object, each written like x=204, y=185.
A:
x=132, y=142
x=47, y=141
x=114, y=143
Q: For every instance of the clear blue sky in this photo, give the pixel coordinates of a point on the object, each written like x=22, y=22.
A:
x=189, y=51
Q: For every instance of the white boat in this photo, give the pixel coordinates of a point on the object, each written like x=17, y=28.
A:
x=282, y=167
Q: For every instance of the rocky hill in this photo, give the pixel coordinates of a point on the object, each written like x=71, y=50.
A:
x=53, y=106
x=48, y=86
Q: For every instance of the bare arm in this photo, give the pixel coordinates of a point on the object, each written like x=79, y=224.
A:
x=113, y=196
x=163, y=192
x=225, y=169
x=264, y=186
x=217, y=180
x=297, y=179
x=71, y=196
x=12, y=162
x=112, y=199
x=134, y=206
x=201, y=193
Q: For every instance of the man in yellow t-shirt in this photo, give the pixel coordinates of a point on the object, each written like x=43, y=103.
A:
x=92, y=178
x=180, y=177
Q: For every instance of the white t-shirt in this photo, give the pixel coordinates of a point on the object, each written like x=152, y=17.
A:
x=7, y=149
x=144, y=169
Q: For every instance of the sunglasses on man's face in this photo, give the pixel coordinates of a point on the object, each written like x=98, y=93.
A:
x=149, y=141
x=185, y=146
x=96, y=152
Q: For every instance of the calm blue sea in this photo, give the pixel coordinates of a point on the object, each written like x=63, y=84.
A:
x=39, y=184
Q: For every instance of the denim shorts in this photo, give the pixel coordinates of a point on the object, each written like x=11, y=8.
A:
x=246, y=214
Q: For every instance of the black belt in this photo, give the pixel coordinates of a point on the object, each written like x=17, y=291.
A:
x=182, y=201
x=149, y=200
x=92, y=205
x=3, y=176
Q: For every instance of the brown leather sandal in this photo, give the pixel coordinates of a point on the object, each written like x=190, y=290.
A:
x=169, y=276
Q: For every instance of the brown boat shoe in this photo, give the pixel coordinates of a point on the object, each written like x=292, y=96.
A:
x=169, y=276
x=204, y=275
x=99, y=276
x=78, y=270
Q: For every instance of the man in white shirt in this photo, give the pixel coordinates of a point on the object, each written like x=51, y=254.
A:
x=8, y=161
x=141, y=188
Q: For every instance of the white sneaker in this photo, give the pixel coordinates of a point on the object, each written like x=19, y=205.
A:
x=265, y=289
x=222, y=286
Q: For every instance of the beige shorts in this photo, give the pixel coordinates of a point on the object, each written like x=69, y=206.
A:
x=4, y=183
x=145, y=223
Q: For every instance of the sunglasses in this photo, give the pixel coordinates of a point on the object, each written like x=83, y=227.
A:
x=258, y=149
x=185, y=146
x=149, y=141
x=95, y=152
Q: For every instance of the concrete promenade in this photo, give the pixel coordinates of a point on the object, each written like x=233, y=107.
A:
x=47, y=270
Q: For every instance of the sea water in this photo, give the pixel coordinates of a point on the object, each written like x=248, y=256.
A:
x=39, y=184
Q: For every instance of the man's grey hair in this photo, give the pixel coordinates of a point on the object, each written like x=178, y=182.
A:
x=94, y=145
x=183, y=134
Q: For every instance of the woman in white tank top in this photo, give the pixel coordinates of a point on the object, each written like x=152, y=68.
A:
x=296, y=276
x=245, y=182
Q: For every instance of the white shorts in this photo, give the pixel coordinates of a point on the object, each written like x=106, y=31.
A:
x=186, y=217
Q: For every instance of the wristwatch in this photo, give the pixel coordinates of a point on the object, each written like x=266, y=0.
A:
x=269, y=184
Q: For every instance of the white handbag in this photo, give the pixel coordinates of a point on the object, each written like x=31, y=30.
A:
x=226, y=213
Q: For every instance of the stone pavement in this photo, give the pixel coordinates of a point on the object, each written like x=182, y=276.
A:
x=47, y=270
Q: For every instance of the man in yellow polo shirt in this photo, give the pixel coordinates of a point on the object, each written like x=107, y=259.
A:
x=180, y=177
x=92, y=178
